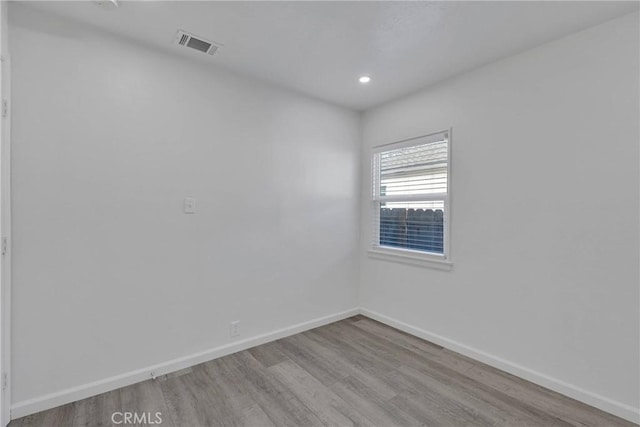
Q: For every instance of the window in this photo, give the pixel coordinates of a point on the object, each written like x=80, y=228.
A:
x=411, y=197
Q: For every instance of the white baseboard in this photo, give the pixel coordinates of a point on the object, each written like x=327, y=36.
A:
x=593, y=399
x=31, y=406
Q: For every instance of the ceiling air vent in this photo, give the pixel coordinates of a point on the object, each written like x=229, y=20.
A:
x=194, y=42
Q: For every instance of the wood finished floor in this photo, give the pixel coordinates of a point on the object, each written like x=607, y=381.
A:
x=353, y=372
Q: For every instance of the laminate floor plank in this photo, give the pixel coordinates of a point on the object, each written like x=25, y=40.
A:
x=443, y=403
x=225, y=383
x=278, y=402
x=350, y=350
x=98, y=410
x=347, y=364
x=361, y=366
x=268, y=354
x=187, y=405
x=572, y=411
x=384, y=347
x=213, y=389
x=255, y=417
x=327, y=406
x=475, y=395
x=449, y=376
x=451, y=383
x=144, y=398
x=417, y=345
x=433, y=415
x=323, y=370
x=355, y=372
x=359, y=345
x=60, y=416
x=340, y=367
x=377, y=410
x=395, y=334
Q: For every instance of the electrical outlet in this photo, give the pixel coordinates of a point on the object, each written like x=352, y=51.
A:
x=234, y=328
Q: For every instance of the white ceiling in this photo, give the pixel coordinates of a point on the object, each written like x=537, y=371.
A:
x=321, y=48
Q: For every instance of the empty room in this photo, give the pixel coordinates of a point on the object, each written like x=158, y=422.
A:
x=320, y=213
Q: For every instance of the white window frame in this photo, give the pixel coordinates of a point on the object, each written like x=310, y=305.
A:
x=404, y=255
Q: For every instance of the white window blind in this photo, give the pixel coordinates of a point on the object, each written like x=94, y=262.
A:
x=411, y=194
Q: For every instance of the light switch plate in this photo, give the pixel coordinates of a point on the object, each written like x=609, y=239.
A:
x=189, y=205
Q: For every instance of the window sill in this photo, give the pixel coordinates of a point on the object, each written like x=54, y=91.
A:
x=411, y=258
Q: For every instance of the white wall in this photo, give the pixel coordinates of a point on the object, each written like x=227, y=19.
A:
x=108, y=138
x=544, y=214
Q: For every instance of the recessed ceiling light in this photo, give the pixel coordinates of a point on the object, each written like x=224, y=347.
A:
x=365, y=79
